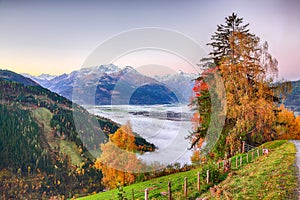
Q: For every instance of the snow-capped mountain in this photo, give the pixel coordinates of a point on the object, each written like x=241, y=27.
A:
x=109, y=84
x=45, y=77
x=181, y=84
x=42, y=79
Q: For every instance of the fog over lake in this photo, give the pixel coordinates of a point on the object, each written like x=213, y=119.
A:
x=166, y=126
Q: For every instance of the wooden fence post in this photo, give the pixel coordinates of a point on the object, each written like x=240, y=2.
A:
x=243, y=147
x=185, y=187
x=207, y=176
x=146, y=194
x=132, y=194
x=236, y=162
x=247, y=158
x=241, y=160
x=252, y=156
x=198, y=182
x=169, y=191
x=257, y=153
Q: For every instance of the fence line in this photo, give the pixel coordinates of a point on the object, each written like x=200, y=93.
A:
x=223, y=162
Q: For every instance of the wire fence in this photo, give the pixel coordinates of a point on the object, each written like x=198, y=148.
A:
x=250, y=154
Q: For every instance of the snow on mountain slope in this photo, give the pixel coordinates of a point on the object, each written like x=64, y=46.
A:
x=181, y=84
x=109, y=84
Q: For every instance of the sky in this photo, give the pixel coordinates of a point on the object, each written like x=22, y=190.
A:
x=58, y=36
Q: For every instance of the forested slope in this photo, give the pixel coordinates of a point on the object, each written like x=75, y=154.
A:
x=293, y=99
x=39, y=138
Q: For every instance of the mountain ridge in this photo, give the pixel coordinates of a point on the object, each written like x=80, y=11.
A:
x=12, y=76
x=113, y=85
x=180, y=84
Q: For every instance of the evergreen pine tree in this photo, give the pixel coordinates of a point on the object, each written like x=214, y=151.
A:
x=248, y=72
x=225, y=41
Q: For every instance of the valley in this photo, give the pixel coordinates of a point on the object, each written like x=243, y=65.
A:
x=67, y=136
x=153, y=124
x=154, y=100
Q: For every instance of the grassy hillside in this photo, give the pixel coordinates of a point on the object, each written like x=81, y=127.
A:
x=269, y=177
x=155, y=186
x=44, y=116
x=266, y=177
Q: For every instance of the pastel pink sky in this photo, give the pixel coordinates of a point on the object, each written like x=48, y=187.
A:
x=56, y=37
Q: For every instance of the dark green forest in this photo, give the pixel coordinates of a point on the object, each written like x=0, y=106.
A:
x=19, y=140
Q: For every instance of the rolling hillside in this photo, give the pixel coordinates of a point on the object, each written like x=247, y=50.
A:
x=39, y=135
x=265, y=177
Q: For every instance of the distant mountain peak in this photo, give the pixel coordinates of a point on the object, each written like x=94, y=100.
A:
x=46, y=77
x=128, y=69
x=108, y=69
x=113, y=82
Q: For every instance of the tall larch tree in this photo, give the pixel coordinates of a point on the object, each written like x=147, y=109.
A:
x=248, y=71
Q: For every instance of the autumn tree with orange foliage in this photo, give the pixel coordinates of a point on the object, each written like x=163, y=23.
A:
x=118, y=160
x=248, y=71
x=288, y=125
